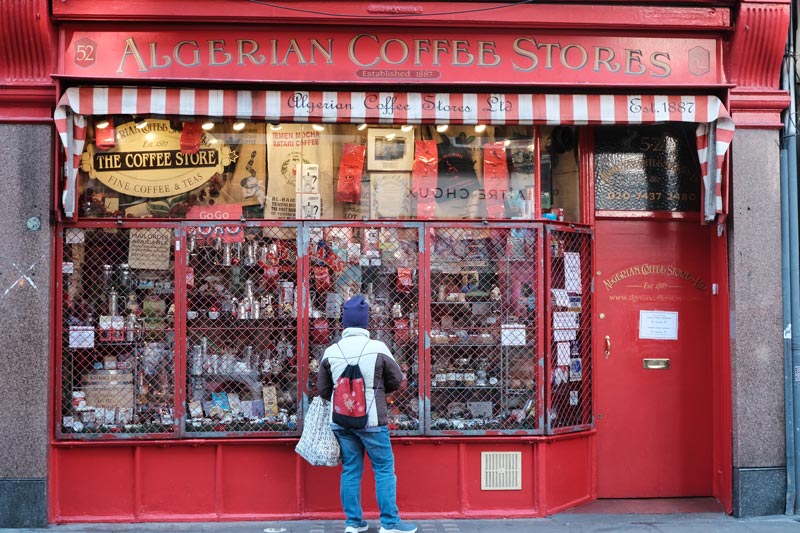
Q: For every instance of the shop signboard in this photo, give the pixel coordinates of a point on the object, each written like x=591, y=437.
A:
x=148, y=161
x=438, y=56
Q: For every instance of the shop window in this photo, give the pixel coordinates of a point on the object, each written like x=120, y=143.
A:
x=205, y=275
x=483, y=330
x=148, y=167
x=647, y=168
x=560, y=175
x=118, y=338
x=211, y=329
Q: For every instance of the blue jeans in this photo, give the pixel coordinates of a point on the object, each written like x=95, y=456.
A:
x=379, y=448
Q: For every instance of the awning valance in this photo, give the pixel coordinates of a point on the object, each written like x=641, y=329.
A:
x=714, y=132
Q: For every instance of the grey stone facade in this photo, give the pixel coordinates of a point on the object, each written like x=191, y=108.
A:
x=26, y=175
x=754, y=253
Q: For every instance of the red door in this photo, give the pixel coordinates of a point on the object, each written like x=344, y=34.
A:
x=653, y=360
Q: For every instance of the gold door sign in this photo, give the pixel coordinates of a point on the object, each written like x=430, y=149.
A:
x=148, y=162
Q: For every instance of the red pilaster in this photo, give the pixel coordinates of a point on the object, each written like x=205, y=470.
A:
x=756, y=52
x=27, y=51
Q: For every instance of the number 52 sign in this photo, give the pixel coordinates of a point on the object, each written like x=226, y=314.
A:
x=85, y=52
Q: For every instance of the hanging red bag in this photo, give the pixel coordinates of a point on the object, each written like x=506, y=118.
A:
x=322, y=279
x=190, y=137
x=348, y=189
x=495, y=179
x=424, y=174
x=405, y=279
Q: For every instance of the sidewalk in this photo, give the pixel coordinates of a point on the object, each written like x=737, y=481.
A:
x=561, y=523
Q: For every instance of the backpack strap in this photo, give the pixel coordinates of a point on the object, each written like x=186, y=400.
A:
x=359, y=355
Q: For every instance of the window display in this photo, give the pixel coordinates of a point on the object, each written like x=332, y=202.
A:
x=484, y=285
x=145, y=167
x=118, y=364
x=464, y=308
x=203, y=308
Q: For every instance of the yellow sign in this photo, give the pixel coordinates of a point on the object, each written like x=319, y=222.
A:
x=148, y=162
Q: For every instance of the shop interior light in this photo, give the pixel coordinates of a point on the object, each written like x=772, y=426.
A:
x=405, y=128
x=506, y=142
x=391, y=137
x=102, y=124
x=441, y=128
x=208, y=125
x=274, y=126
x=238, y=126
x=141, y=124
x=480, y=128
x=318, y=127
x=362, y=127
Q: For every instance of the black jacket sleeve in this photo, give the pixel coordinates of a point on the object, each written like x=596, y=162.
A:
x=325, y=380
x=392, y=375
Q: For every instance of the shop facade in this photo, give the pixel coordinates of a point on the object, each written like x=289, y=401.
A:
x=540, y=214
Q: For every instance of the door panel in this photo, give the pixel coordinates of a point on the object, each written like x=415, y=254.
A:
x=654, y=424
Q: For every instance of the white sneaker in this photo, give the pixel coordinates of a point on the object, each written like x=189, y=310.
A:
x=357, y=529
x=400, y=527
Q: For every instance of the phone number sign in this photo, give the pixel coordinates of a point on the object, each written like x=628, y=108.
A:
x=646, y=168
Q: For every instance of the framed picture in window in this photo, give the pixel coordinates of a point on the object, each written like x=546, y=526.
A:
x=390, y=149
x=390, y=195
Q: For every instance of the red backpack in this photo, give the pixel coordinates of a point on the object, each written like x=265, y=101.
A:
x=349, y=396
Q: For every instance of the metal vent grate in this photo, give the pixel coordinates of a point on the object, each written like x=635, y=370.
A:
x=501, y=470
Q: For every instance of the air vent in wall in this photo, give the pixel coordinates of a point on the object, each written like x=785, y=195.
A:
x=501, y=470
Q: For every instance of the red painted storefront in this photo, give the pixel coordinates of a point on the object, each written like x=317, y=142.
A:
x=578, y=62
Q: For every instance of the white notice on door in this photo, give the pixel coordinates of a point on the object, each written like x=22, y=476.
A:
x=660, y=325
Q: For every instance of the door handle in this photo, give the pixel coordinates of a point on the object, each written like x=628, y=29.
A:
x=608, y=346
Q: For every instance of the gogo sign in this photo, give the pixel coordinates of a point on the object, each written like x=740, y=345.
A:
x=148, y=162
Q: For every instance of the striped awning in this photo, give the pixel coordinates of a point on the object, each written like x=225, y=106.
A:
x=714, y=132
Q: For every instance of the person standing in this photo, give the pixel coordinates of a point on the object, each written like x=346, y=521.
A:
x=382, y=376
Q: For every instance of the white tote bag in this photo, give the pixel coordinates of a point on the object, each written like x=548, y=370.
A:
x=318, y=444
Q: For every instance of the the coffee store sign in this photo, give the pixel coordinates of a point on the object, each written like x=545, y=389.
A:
x=148, y=161
x=440, y=56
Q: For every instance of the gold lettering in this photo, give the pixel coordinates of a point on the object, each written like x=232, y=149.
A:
x=250, y=54
x=440, y=46
x=530, y=54
x=132, y=49
x=154, y=58
x=215, y=47
x=634, y=57
x=326, y=52
x=195, y=53
x=487, y=48
x=461, y=47
x=294, y=48
x=403, y=51
x=351, y=49
x=607, y=61
x=655, y=59
x=548, y=60
x=421, y=45
x=583, y=54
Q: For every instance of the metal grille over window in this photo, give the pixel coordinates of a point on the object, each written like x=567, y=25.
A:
x=484, y=372
x=382, y=264
x=241, y=330
x=117, y=348
x=506, y=310
x=570, y=398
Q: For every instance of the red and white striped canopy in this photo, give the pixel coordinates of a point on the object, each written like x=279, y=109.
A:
x=714, y=132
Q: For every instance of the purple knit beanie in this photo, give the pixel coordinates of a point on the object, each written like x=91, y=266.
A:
x=355, y=313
